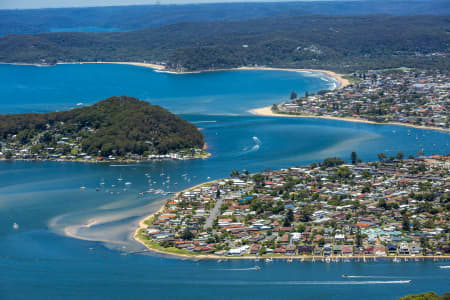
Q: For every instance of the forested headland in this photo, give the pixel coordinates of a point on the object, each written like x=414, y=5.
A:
x=338, y=43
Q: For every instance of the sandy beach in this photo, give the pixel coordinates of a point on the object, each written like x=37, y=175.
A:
x=142, y=224
x=342, y=82
x=338, y=77
x=267, y=112
x=139, y=64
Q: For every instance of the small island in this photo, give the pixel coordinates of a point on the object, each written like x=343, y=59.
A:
x=116, y=129
x=395, y=208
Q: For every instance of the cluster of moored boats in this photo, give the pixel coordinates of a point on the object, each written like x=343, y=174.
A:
x=162, y=189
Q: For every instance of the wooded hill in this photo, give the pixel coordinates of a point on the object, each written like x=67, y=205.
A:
x=145, y=16
x=342, y=44
x=117, y=125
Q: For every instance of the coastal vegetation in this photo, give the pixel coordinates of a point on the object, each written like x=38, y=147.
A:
x=341, y=43
x=426, y=296
x=117, y=127
x=146, y=16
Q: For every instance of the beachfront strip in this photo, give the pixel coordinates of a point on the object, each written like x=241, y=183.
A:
x=410, y=97
x=386, y=208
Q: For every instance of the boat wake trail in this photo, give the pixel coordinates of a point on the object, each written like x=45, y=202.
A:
x=367, y=276
x=295, y=283
x=255, y=147
x=199, y=122
x=342, y=282
x=241, y=269
x=127, y=165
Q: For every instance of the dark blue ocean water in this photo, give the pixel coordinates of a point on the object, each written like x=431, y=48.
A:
x=85, y=29
x=69, y=241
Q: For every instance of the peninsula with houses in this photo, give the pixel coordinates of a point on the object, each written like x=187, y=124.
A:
x=416, y=98
x=394, y=208
x=116, y=129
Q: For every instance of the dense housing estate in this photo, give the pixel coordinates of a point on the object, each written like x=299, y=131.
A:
x=388, y=208
x=404, y=96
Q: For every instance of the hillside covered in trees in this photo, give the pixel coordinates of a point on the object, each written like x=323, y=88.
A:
x=426, y=296
x=117, y=126
x=146, y=16
x=339, y=43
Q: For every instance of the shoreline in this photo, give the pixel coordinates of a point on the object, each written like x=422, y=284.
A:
x=125, y=161
x=267, y=112
x=341, y=82
x=143, y=226
x=193, y=256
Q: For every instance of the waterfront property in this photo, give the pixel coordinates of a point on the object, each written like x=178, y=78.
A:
x=387, y=208
x=405, y=96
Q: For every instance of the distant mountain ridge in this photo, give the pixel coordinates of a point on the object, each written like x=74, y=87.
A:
x=146, y=16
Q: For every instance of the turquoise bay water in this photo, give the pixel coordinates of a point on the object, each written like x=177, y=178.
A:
x=40, y=89
x=43, y=260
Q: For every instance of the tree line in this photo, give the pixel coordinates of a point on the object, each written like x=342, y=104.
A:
x=117, y=125
x=339, y=43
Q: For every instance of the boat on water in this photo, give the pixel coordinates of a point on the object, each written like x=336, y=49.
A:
x=344, y=276
x=257, y=268
x=268, y=260
x=441, y=267
x=82, y=187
